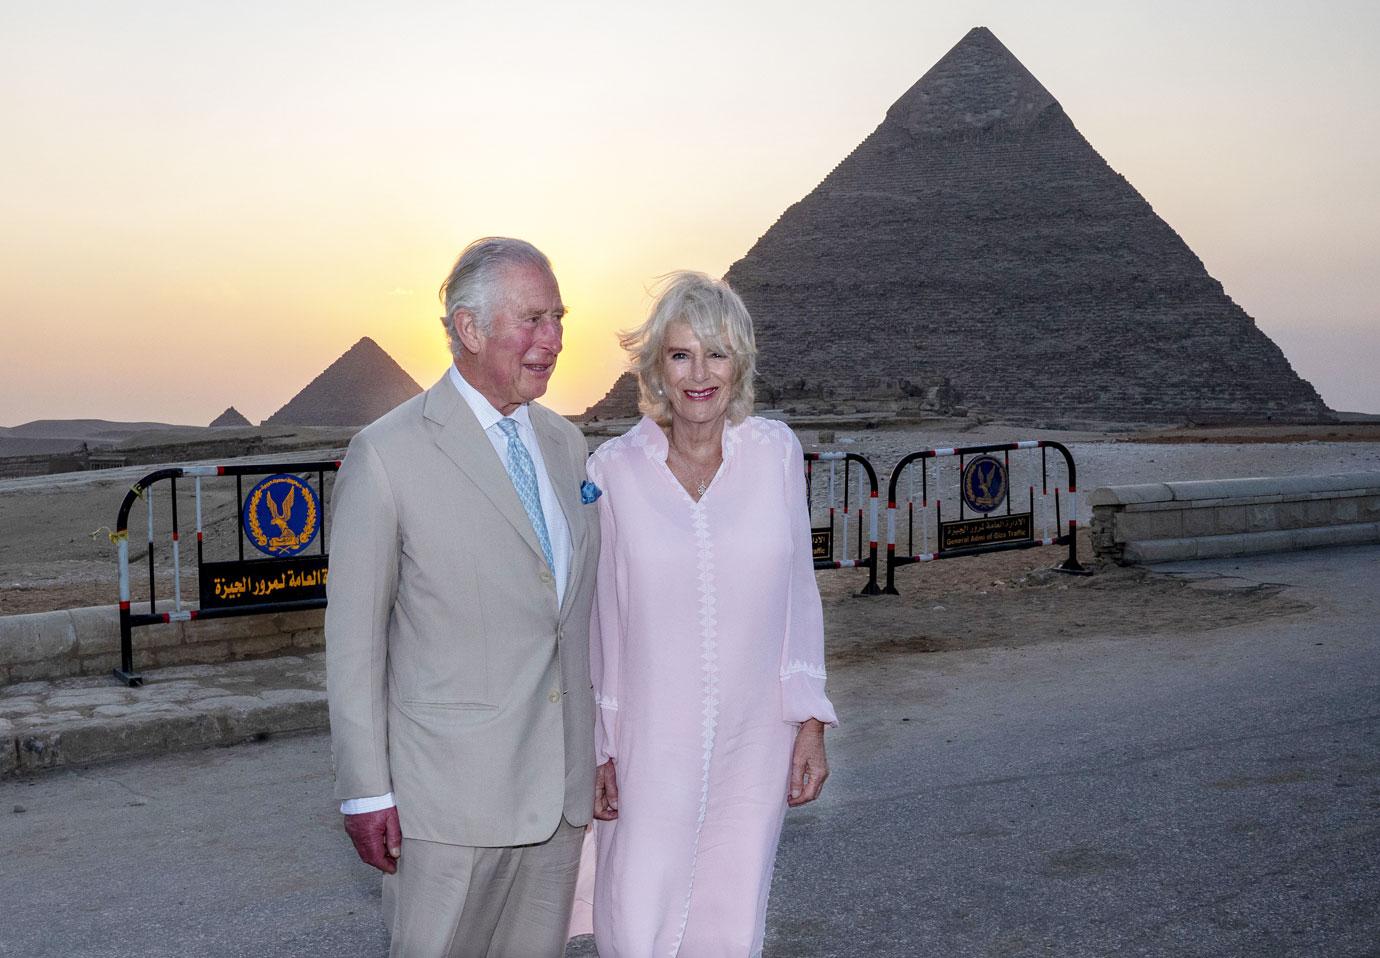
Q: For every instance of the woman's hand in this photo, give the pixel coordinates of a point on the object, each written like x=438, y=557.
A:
x=809, y=767
x=606, y=792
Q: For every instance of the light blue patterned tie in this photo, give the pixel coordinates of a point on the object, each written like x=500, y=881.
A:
x=524, y=476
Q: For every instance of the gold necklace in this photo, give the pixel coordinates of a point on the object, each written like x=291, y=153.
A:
x=701, y=481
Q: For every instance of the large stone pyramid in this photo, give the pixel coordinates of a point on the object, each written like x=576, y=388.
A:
x=356, y=389
x=976, y=236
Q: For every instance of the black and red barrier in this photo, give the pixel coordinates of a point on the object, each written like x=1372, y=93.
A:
x=986, y=532
x=231, y=588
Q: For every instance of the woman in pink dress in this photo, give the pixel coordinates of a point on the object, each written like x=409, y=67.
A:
x=707, y=646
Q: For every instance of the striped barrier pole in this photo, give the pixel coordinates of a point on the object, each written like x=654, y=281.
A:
x=176, y=549
x=148, y=509
x=869, y=476
x=1071, y=564
x=871, y=587
x=833, y=496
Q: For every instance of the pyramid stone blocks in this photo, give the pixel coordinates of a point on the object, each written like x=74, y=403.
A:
x=976, y=235
x=356, y=389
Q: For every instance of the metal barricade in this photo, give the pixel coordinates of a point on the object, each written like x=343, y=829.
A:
x=824, y=543
x=303, y=576
x=964, y=537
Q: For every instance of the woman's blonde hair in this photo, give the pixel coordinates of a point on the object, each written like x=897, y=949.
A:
x=718, y=319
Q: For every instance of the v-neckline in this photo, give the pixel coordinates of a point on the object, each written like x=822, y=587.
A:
x=664, y=460
x=666, y=463
x=686, y=489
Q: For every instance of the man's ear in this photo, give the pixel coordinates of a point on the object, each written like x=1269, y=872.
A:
x=467, y=328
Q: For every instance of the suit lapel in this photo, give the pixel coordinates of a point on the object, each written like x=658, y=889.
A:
x=567, y=488
x=460, y=437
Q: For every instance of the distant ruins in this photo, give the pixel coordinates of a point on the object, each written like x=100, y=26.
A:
x=975, y=248
x=353, y=391
x=356, y=389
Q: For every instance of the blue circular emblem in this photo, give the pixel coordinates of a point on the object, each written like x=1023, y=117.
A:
x=984, y=483
x=281, y=515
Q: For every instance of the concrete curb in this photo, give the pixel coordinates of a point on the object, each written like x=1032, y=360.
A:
x=87, y=742
x=46, y=725
x=39, y=646
x=1231, y=491
x=1251, y=543
x=1165, y=522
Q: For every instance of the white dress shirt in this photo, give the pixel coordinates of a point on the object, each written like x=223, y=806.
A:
x=557, y=529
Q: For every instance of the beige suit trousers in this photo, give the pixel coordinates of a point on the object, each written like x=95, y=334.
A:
x=461, y=901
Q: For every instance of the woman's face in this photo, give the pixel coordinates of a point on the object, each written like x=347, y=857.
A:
x=698, y=380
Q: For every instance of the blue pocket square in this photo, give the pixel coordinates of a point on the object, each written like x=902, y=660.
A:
x=589, y=492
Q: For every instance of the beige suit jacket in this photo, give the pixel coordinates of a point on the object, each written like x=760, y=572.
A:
x=454, y=679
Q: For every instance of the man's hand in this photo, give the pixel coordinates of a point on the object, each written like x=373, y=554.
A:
x=605, y=792
x=377, y=837
x=809, y=768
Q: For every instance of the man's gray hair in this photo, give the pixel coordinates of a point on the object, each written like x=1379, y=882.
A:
x=473, y=281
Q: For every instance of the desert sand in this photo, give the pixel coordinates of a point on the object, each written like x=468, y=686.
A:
x=57, y=552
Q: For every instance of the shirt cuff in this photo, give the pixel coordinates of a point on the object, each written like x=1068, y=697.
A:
x=358, y=806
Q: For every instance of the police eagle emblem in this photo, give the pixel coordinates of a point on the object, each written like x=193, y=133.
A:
x=281, y=515
x=984, y=484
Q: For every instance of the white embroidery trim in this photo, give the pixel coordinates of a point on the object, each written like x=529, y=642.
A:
x=766, y=431
x=809, y=668
x=709, y=679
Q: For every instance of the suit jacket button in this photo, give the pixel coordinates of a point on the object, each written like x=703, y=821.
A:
x=554, y=696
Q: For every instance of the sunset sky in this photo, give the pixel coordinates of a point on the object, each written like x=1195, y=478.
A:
x=205, y=204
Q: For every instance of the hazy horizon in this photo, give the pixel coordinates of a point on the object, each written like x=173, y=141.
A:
x=208, y=208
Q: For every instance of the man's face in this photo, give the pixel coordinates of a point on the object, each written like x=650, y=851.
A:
x=514, y=360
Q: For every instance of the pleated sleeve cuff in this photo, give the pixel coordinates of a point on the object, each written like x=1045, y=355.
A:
x=802, y=695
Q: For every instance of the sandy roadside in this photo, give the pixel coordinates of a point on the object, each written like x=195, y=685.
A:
x=55, y=550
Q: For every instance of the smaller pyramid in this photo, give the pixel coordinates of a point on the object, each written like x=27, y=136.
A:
x=620, y=402
x=356, y=389
x=231, y=417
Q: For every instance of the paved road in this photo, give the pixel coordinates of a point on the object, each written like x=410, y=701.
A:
x=1215, y=794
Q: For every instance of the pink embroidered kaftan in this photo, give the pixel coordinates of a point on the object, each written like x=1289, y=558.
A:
x=707, y=650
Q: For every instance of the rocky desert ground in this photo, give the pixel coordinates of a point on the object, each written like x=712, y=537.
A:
x=56, y=551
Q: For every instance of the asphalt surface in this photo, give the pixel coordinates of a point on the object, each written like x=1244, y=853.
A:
x=1213, y=794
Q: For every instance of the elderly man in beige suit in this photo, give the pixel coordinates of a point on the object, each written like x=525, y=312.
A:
x=462, y=570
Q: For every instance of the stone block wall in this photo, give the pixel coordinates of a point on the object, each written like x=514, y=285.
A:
x=1166, y=521
x=71, y=642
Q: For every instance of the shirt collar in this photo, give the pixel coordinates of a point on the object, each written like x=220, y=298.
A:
x=484, y=410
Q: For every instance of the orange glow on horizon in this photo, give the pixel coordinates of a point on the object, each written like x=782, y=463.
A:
x=188, y=228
